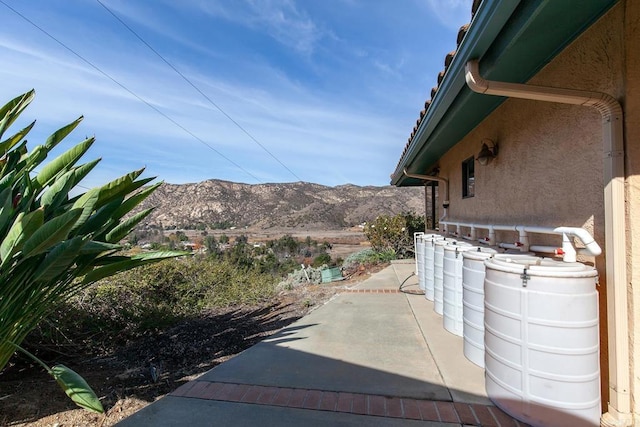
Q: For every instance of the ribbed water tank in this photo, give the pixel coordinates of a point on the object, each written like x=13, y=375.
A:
x=452, y=287
x=541, y=341
x=429, y=248
x=438, y=273
x=473, y=272
x=420, y=260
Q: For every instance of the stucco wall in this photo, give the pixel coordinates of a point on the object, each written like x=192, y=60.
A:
x=549, y=169
x=631, y=107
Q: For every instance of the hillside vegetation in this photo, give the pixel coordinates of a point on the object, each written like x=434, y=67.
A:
x=222, y=204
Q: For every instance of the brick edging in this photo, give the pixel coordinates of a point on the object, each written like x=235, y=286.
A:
x=354, y=403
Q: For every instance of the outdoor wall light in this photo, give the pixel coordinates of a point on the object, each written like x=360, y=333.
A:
x=488, y=152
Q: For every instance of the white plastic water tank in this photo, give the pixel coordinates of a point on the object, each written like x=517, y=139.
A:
x=429, y=248
x=420, y=259
x=541, y=341
x=438, y=265
x=473, y=302
x=452, y=287
x=473, y=273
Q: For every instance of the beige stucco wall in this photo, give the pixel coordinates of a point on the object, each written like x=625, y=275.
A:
x=549, y=169
x=631, y=107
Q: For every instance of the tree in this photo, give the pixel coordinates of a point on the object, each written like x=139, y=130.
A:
x=394, y=233
x=211, y=244
x=54, y=244
x=322, y=259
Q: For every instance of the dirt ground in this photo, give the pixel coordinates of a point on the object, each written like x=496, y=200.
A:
x=123, y=379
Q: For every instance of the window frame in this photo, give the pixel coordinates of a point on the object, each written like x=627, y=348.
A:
x=468, y=178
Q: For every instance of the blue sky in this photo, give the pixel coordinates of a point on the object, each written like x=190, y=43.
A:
x=330, y=88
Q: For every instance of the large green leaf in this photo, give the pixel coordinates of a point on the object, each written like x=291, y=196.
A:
x=37, y=156
x=126, y=226
x=122, y=186
x=59, y=259
x=23, y=226
x=94, y=248
x=8, y=144
x=87, y=203
x=98, y=220
x=79, y=173
x=62, y=133
x=133, y=201
x=6, y=207
x=51, y=232
x=12, y=109
x=108, y=260
x=7, y=179
x=63, y=162
x=127, y=264
x=13, y=159
x=58, y=192
x=77, y=388
x=83, y=170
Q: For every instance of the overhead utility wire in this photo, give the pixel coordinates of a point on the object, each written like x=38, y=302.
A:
x=197, y=89
x=95, y=67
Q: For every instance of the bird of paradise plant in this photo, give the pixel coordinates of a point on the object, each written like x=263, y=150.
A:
x=54, y=243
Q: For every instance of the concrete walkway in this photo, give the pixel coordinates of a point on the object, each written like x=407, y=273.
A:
x=371, y=356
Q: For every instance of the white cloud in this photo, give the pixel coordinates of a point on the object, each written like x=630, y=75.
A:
x=451, y=13
x=336, y=118
x=280, y=19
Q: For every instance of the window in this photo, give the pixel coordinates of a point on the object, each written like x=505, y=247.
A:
x=468, y=178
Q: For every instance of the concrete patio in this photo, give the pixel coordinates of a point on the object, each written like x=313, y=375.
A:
x=373, y=355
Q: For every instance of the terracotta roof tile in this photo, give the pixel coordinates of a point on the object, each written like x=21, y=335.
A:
x=462, y=32
x=447, y=62
x=449, y=58
x=474, y=7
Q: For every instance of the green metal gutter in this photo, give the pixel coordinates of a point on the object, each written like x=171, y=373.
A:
x=515, y=39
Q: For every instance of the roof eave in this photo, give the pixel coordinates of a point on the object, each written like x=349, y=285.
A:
x=500, y=37
x=484, y=29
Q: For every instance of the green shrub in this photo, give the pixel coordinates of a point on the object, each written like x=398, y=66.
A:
x=322, y=259
x=157, y=296
x=301, y=277
x=394, y=233
x=367, y=257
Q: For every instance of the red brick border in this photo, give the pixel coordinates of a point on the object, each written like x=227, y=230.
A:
x=355, y=403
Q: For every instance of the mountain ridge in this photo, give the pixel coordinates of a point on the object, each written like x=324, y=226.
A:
x=284, y=205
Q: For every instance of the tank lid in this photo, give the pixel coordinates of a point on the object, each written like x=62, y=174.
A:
x=459, y=246
x=430, y=237
x=479, y=253
x=445, y=241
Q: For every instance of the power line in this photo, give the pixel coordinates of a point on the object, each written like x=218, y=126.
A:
x=197, y=89
x=95, y=67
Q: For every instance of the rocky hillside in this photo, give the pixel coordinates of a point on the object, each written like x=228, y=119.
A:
x=265, y=206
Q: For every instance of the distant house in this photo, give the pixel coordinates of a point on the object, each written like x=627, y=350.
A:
x=567, y=156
